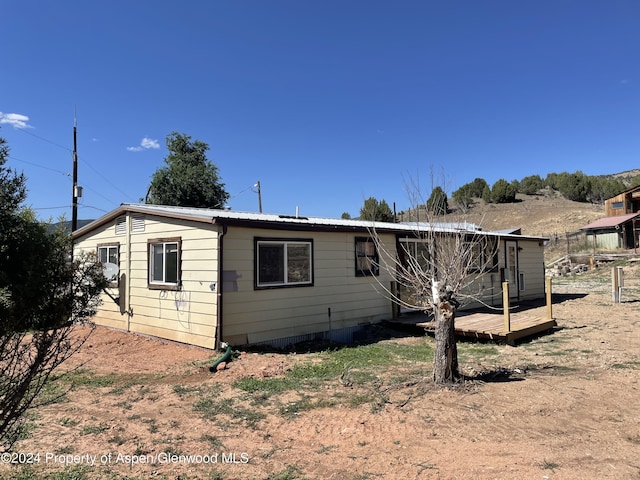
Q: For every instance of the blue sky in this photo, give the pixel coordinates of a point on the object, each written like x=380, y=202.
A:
x=326, y=103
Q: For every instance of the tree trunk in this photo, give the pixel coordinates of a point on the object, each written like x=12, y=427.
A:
x=445, y=363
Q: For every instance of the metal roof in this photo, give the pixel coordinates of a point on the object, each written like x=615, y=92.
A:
x=609, y=222
x=299, y=222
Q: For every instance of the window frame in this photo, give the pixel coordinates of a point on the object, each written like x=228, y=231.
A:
x=375, y=258
x=284, y=242
x=488, y=259
x=164, y=285
x=109, y=246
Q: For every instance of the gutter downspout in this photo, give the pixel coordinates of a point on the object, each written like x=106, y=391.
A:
x=220, y=283
x=127, y=302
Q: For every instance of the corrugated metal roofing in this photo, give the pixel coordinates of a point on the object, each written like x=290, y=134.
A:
x=608, y=222
x=209, y=215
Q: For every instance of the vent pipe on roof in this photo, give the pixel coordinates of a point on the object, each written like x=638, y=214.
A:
x=297, y=211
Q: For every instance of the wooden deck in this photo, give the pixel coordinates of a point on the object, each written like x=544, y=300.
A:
x=491, y=326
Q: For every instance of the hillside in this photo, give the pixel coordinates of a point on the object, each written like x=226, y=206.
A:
x=540, y=215
x=536, y=215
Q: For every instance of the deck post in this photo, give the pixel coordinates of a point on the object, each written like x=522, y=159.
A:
x=549, y=303
x=394, y=297
x=505, y=305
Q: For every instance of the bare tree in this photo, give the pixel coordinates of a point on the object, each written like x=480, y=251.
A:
x=438, y=267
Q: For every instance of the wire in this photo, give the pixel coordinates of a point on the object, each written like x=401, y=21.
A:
x=90, y=206
x=24, y=130
x=108, y=181
x=50, y=208
x=100, y=195
x=66, y=174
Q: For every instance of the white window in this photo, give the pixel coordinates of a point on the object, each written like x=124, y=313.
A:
x=164, y=263
x=283, y=263
x=109, y=254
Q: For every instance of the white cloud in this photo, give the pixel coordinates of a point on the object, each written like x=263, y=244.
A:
x=145, y=144
x=149, y=143
x=16, y=119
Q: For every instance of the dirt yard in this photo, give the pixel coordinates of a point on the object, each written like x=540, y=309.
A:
x=560, y=406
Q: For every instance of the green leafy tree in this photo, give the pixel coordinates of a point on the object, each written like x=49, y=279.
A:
x=574, y=186
x=438, y=203
x=551, y=181
x=503, y=192
x=476, y=188
x=376, y=211
x=189, y=179
x=531, y=185
x=462, y=197
x=346, y=216
x=42, y=298
x=486, y=194
x=466, y=193
x=603, y=188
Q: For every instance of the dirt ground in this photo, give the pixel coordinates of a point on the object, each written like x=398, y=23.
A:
x=564, y=405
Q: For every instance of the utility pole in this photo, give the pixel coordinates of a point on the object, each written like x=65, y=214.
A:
x=259, y=196
x=74, y=209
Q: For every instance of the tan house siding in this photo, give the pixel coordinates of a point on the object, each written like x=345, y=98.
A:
x=253, y=315
x=530, y=265
x=529, y=255
x=188, y=314
x=110, y=314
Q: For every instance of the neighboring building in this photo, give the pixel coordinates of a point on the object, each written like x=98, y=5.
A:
x=611, y=233
x=624, y=203
x=202, y=276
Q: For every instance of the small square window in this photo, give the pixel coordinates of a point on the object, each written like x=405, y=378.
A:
x=164, y=263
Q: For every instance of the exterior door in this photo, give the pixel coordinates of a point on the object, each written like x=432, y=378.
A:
x=511, y=268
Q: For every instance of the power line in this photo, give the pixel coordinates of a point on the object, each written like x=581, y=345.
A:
x=91, y=206
x=50, y=208
x=66, y=174
x=106, y=179
x=24, y=130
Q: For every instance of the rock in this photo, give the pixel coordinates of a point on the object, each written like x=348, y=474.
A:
x=221, y=366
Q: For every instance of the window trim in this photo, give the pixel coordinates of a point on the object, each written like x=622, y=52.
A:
x=116, y=245
x=375, y=258
x=489, y=254
x=155, y=285
x=257, y=241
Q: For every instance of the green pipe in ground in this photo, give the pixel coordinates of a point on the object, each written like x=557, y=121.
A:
x=224, y=358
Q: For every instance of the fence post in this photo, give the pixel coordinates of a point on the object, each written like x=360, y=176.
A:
x=549, y=302
x=614, y=285
x=505, y=305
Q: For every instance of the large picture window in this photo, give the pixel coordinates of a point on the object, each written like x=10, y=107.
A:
x=283, y=263
x=367, y=263
x=164, y=263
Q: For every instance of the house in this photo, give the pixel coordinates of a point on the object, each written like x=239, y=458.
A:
x=610, y=233
x=202, y=276
x=624, y=203
x=621, y=226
